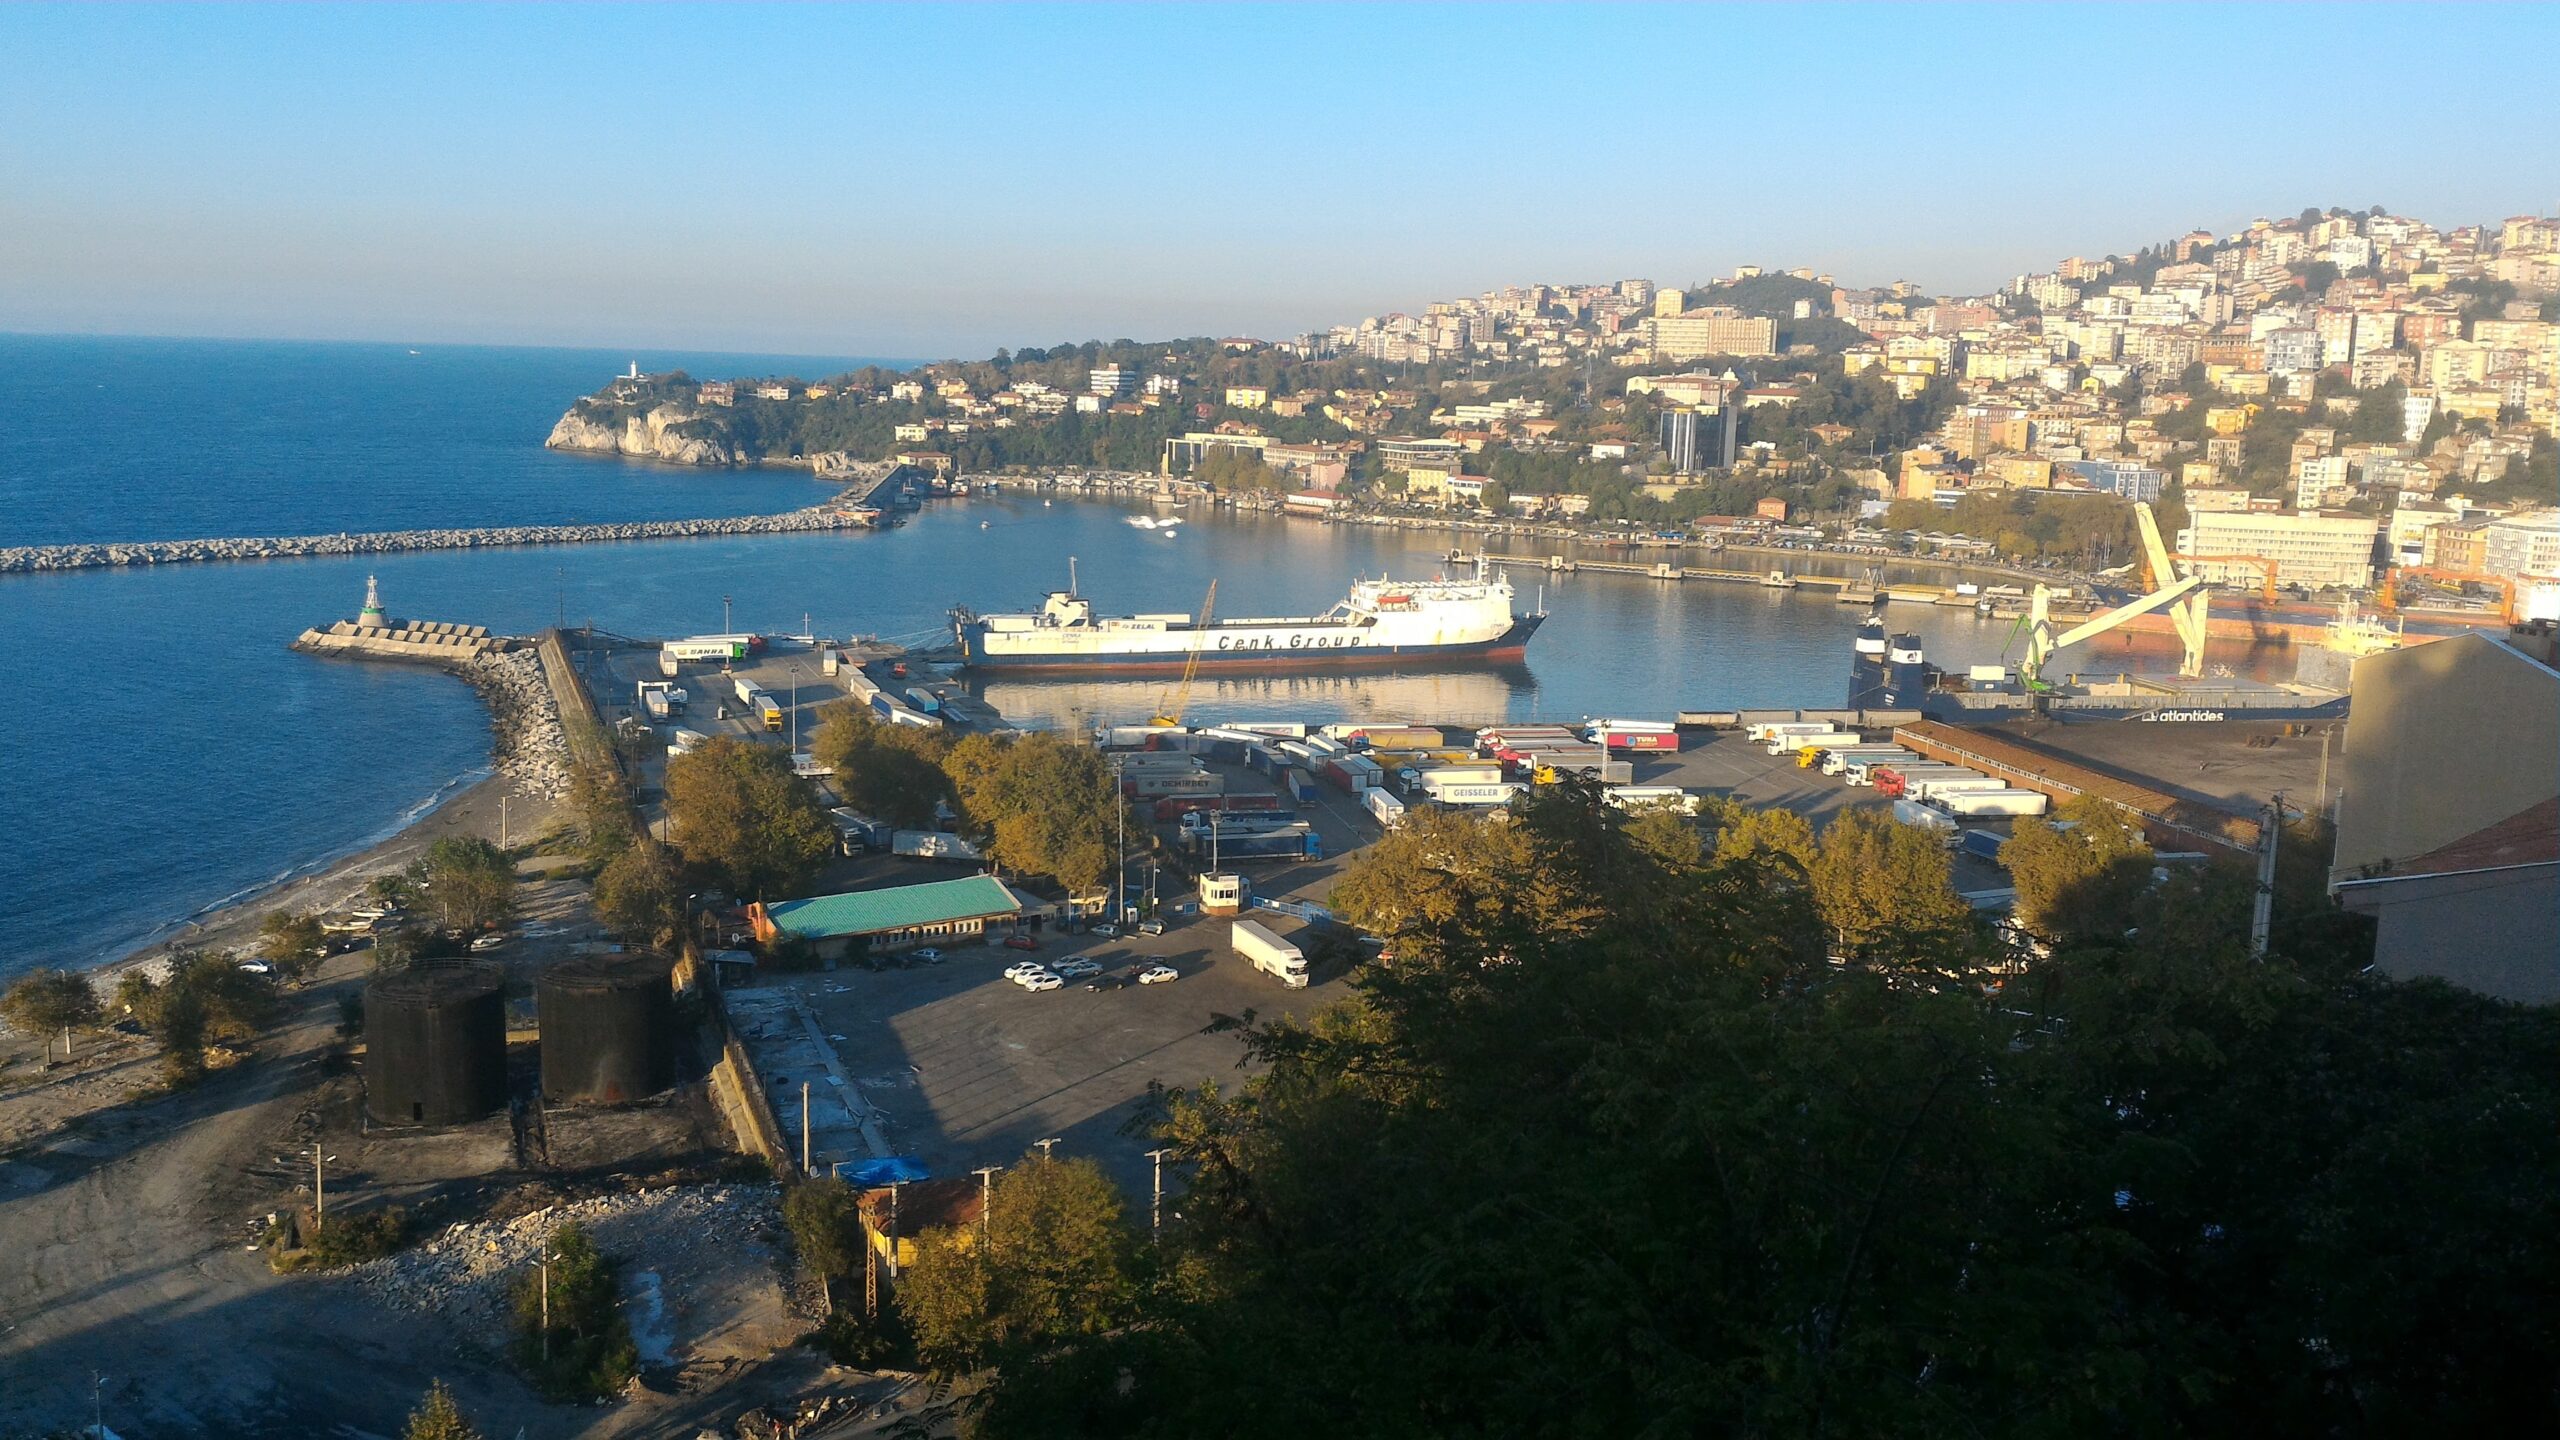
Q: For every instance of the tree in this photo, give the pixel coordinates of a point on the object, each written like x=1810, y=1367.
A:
x=2079, y=884
x=1047, y=806
x=203, y=998
x=890, y=771
x=1886, y=890
x=639, y=895
x=589, y=1353
x=42, y=1002
x=824, y=1216
x=469, y=882
x=439, y=1418
x=294, y=943
x=738, y=811
x=1052, y=1263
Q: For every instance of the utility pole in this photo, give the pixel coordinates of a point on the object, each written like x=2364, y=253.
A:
x=795, y=706
x=893, y=1232
x=319, y=1200
x=986, y=1200
x=546, y=1307
x=2323, y=807
x=98, y=1404
x=1155, y=1211
x=2270, y=831
x=1045, y=1146
x=804, y=1127
x=502, y=822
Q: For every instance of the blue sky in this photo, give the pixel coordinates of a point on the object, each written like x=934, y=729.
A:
x=942, y=181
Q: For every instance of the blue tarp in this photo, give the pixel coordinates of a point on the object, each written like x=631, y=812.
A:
x=892, y=1170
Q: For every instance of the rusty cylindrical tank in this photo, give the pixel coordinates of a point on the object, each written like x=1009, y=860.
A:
x=608, y=1029
x=435, y=1044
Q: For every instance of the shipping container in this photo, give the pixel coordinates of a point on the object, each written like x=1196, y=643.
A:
x=1300, y=786
x=1284, y=731
x=1157, y=784
x=1241, y=822
x=1292, y=842
x=668, y=663
x=1501, y=793
x=1173, y=807
x=1930, y=787
x=1982, y=845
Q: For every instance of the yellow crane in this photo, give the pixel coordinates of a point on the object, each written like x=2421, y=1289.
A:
x=1170, y=712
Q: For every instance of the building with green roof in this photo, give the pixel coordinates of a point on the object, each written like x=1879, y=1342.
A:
x=891, y=919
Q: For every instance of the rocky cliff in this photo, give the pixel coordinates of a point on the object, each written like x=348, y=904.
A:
x=676, y=434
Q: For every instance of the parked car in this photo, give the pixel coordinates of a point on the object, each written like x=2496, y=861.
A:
x=1020, y=942
x=928, y=955
x=256, y=967
x=487, y=943
x=1107, y=930
x=1158, y=975
x=1042, y=981
x=1108, y=982
x=1152, y=927
x=1024, y=971
x=1076, y=969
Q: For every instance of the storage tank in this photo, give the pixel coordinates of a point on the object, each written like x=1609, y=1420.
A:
x=608, y=1029
x=435, y=1044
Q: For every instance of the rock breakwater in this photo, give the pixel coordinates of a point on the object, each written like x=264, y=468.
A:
x=836, y=514
x=532, y=747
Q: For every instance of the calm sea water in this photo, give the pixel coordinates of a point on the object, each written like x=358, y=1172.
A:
x=171, y=754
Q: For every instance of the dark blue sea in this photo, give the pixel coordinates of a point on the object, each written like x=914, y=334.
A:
x=170, y=754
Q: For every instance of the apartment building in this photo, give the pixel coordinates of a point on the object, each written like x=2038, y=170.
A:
x=2315, y=549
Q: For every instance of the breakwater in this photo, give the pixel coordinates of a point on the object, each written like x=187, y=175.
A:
x=841, y=513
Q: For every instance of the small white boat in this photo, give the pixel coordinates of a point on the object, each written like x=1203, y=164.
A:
x=1778, y=580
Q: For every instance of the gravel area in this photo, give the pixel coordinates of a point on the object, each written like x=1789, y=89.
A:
x=692, y=1239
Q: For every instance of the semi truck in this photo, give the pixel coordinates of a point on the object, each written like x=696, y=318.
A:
x=859, y=833
x=703, y=648
x=1634, y=735
x=1269, y=953
x=1985, y=804
x=747, y=690
x=1837, y=760
x=767, y=712
x=668, y=664
x=660, y=700
x=1628, y=797
x=1790, y=742
x=1290, y=842
x=1383, y=807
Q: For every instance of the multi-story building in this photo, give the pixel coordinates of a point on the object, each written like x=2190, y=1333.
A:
x=1714, y=330
x=2316, y=550
x=2121, y=478
x=2522, y=545
x=1112, y=381
x=2318, y=479
x=1696, y=438
x=1248, y=397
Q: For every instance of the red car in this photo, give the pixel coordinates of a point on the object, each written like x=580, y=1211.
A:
x=1021, y=942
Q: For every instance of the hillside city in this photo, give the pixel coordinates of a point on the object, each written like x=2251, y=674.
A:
x=2330, y=401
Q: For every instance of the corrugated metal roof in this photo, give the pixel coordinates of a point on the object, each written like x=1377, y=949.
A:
x=868, y=912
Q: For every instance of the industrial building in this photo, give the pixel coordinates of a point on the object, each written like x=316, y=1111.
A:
x=2449, y=815
x=2313, y=550
x=899, y=917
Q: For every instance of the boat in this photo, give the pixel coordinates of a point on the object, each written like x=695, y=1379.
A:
x=2358, y=634
x=1778, y=580
x=1380, y=622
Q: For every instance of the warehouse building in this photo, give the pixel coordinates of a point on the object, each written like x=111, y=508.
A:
x=900, y=917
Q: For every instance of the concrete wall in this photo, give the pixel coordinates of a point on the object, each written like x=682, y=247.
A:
x=2444, y=740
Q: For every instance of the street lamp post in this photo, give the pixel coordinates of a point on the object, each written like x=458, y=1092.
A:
x=986, y=1200
x=794, y=668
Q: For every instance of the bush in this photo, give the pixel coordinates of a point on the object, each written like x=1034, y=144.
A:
x=439, y=1418
x=352, y=1237
x=866, y=1342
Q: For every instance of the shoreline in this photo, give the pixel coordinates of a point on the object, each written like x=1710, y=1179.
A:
x=524, y=784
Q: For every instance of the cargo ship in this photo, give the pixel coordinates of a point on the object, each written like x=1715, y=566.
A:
x=1381, y=622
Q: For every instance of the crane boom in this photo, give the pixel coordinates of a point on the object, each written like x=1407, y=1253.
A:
x=2168, y=589
x=1172, y=712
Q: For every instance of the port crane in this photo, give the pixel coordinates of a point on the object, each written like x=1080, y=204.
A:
x=2183, y=597
x=1169, y=712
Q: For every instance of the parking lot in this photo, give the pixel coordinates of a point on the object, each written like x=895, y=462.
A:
x=959, y=1067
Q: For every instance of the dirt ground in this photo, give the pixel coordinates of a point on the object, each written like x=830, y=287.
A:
x=130, y=1216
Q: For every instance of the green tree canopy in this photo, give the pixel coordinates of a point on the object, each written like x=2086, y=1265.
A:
x=1047, y=806
x=2077, y=880
x=739, y=812
x=44, y=1001
x=639, y=895
x=893, y=772
x=292, y=941
x=1626, y=1157
x=468, y=882
x=1052, y=1263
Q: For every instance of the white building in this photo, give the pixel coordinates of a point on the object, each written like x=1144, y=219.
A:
x=2314, y=550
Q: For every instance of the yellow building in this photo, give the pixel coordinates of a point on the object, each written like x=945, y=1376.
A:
x=1667, y=303
x=2229, y=419
x=2019, y=472
x=1428, y=482
x=1248, y=397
